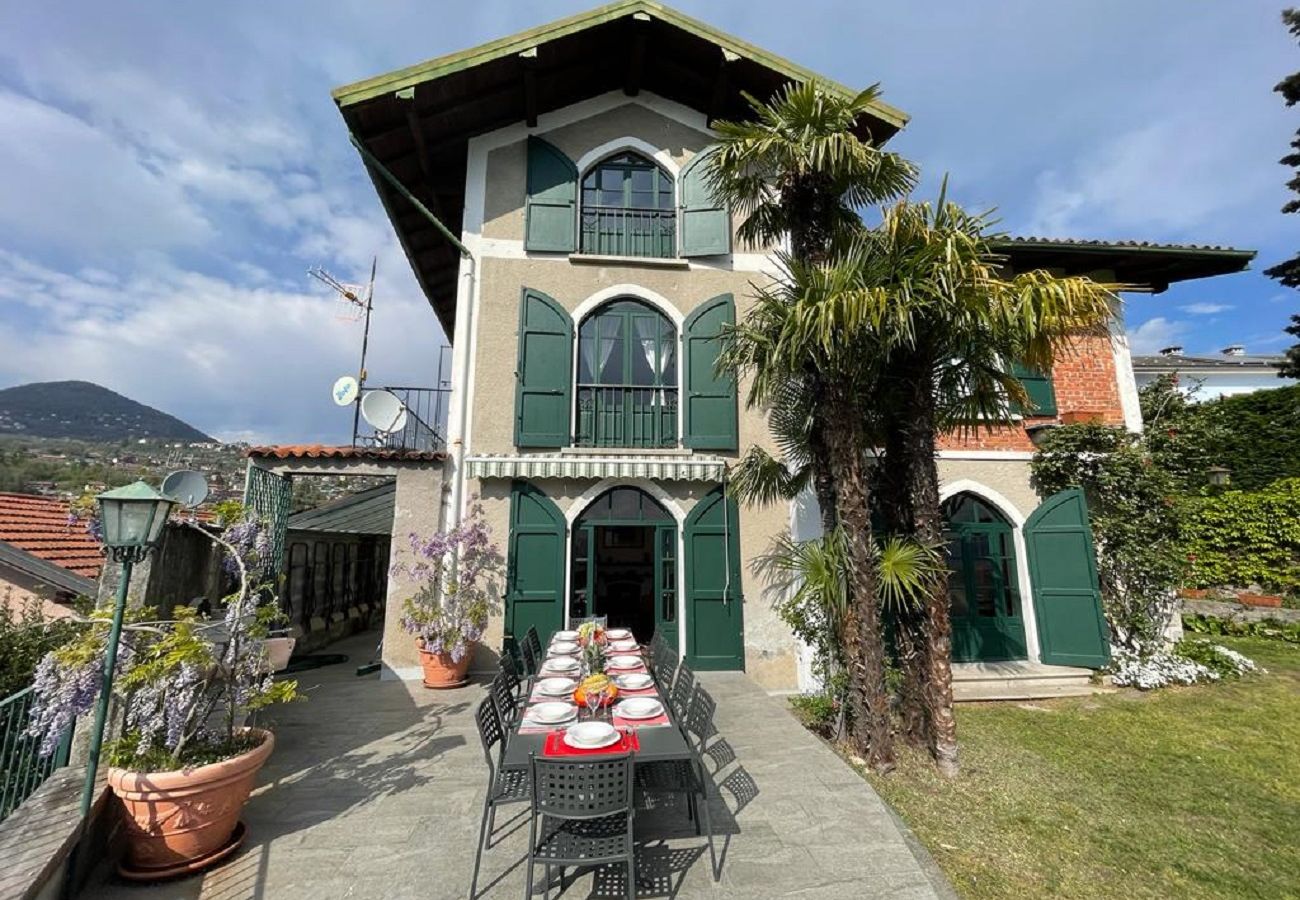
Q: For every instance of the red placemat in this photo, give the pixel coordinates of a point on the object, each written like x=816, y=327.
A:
x=555, y=746
x=652, y=722
x=650, y=691
x=635, y=670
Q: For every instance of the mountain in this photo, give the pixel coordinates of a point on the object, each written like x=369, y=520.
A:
x=80, y=409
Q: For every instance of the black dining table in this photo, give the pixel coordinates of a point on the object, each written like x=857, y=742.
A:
x=657, y=743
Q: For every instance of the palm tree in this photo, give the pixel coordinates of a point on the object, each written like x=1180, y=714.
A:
x=799, y=169
x=945, y=358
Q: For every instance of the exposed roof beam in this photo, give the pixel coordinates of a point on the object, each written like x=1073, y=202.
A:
x=638, y=25
x=528, y=59
x=720, y=80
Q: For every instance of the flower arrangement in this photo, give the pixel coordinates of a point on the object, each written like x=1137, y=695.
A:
x=453, y=576
x=185, y=684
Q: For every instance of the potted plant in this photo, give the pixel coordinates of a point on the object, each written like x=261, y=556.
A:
x=184, y=762
x=452, y=596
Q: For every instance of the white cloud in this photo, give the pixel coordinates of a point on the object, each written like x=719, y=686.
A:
x=70, y=185
x=1155, y=334
x=1205, y=309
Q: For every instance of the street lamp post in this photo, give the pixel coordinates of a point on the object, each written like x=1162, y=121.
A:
x=132, y=519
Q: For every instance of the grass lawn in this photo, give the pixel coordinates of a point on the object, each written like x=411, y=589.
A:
x=1184, y=792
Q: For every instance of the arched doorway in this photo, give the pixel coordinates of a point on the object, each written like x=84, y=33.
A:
x=624, y=564
x=984, y=588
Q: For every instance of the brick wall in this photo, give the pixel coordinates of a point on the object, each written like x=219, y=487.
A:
x=1086, y=387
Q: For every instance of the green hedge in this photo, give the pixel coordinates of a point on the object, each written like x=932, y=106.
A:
x=1245, y=537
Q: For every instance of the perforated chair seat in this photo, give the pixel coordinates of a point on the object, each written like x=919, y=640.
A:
x=578, y=841
x=676, y=775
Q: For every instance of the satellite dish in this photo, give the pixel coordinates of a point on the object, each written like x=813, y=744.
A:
x=384, y=411
x=345, y=391
x=189, y=487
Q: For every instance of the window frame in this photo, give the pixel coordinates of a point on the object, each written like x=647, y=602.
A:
x=645, y=162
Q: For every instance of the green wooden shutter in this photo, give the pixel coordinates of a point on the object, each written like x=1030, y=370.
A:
x=706, y=226
x=715, y=623
x=535, y=565
x=544, y=374
x=1042, y=395
x=711, y=416
x=550, y=221
x=1072, y=630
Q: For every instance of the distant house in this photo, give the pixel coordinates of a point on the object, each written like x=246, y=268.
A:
x=1231, y=371
x=45, y=553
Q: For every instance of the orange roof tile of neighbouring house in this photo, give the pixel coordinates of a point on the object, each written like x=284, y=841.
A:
x=43, y=527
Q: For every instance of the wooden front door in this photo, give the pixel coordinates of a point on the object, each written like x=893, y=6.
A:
x=983, y=588
x=1063, y=571
x=715, y=622
x=535, y=565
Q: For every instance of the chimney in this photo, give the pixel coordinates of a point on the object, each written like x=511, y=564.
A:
x=1175, y=350
x=1233, y=350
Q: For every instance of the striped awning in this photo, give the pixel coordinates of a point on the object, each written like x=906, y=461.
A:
x=565, y=465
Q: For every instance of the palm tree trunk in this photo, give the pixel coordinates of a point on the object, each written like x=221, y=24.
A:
x=914, y=475
x=864, y=648
x=823, y=477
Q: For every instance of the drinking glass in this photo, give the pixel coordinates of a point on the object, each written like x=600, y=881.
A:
x=593, y=699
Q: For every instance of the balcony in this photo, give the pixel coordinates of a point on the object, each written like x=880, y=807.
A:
x=425, y=427
x=629, y=231
x=624, y=415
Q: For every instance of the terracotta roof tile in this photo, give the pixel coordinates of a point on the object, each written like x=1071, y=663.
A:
x=324, y=451
x=44, y=527
x=1120, y=245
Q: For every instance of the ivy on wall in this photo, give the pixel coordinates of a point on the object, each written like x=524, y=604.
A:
x=1240, y=538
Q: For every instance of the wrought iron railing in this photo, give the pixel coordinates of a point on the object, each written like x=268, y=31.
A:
x=629, y=231
x=22, y=768
x=624, y=415
x=425, y=428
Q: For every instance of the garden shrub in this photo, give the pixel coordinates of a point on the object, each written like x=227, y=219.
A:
x=818, y=712
x=26, y=635
x=1191, y=662
x=1241, y=538
x=1220, y=660
x=1270, y=629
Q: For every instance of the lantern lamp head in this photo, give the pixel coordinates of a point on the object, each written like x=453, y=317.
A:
x=132, y=519
x=1219, y=476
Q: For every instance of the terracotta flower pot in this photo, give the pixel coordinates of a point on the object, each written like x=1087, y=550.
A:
x=439, y=670
x=1271, y=601
x=174, y=819
x=278, y=651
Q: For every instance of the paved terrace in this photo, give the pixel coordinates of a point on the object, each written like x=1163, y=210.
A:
x=375, y=790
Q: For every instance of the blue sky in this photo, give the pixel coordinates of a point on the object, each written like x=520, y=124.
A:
x=169, y=171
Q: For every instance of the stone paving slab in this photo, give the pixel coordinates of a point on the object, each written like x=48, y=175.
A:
x=375, y=790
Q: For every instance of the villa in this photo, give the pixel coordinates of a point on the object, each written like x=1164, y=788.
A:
x=548, y=190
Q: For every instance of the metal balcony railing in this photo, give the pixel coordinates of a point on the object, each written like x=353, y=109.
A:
x=425, y=428
x=626, y=415
x=629, y=231
x=22, y=768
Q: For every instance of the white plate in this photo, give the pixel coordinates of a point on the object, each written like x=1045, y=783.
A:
x=564, y=647
x=565, y=636
x=591, y=734
x=625, y=662
x=560, y=664
x=556, y=687
x=625, y=646
x=636, y=681
x=617, y=634
x=638, y=708
x=552, y=712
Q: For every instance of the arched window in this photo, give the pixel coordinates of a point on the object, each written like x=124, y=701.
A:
x=983, y=589
x=627, y=377
x=628, y=208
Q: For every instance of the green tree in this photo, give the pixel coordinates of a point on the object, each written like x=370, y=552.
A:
x=799, y=168
x=1288, y=271
x=950, y=328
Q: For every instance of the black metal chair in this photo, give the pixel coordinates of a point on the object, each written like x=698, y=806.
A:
x=582, y=816
x=532, y=639
x=504, y=787
x=679, y=698
x=688, y=777
x=503, y=700
x=664, y=672
x=530, y=659
x=658, y=650
x=510, y=672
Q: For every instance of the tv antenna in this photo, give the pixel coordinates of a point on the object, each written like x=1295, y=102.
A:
x=357, y=302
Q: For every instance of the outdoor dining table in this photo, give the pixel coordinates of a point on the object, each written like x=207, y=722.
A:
x=657, y=743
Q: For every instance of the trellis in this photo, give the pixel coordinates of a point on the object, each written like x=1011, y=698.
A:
x=269, y=495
